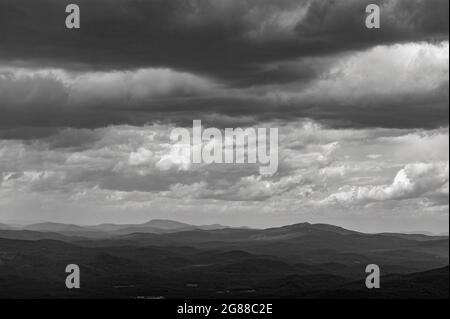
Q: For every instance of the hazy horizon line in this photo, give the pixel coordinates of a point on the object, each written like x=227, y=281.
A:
x=23, y=224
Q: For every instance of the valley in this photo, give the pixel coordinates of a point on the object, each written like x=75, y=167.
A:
x=174, y=260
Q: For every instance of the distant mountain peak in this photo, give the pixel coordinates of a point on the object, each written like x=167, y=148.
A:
x=319, y=227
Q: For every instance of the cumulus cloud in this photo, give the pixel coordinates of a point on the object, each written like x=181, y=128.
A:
x=387, y=70
x=413, y=181
x=314, y=160
x=390, y=86
x=128, y=171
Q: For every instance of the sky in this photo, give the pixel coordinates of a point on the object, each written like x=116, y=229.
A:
x=362, y=114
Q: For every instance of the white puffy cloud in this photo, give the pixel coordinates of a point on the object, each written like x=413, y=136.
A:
x=321, y=170
x=400, y=78
x=174, y=159
x=383, y=70
x=413, y=181
x=140, y=157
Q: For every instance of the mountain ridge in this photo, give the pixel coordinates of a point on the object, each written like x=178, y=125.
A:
x=296, y=261
x=165, y=226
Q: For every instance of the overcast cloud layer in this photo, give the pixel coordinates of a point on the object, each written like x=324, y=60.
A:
x=86, y=115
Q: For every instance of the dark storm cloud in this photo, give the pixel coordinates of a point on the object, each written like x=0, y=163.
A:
x=404, y=111
x=225, y=39
x=226, y=62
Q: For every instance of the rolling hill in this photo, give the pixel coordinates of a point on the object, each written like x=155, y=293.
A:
x=176, y=260
x=156, y=226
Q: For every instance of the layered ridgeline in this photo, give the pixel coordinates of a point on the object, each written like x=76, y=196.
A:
x=157, y=226
x=170, y=259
